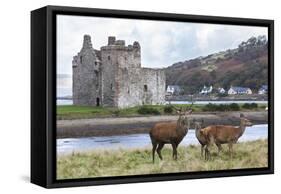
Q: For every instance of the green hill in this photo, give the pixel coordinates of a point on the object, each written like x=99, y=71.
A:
x=246, y=66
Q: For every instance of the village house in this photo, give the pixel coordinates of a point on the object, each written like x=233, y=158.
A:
x=206, y=90
x=173, y=90
x=263, y=89
x=221, y=90
x=239, y=90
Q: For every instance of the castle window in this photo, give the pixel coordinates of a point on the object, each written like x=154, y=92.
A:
x=111, y=87
x=80, y=59
x=128, y=90
x=125, y=58
x=96, y=63
x=108, y=57
x=145, y=88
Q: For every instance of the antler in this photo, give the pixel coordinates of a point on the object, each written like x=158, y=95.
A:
x=188, y=109
x=177, y=109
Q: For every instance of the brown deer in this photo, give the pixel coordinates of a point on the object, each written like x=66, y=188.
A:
x=169, y=133
x=201, y=138
x=224, y=134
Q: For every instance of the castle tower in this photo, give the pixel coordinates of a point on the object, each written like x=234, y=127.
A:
x=111, y=61
x=113, y=76
x=121, y=73
x=86, y=71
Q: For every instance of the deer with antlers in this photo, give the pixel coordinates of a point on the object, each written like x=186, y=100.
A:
x=170, y=133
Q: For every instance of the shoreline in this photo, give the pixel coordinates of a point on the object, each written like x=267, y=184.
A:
x=197, y=97
x=142, y=124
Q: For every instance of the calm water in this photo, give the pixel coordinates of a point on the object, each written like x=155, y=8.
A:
x=68, y=145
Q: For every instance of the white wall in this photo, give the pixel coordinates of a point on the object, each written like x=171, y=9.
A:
x=15, y=89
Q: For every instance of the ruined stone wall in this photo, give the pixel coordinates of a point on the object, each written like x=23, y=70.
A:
x=86, y=76
x=155, y=81
x=115, y=77
x=140, y=86
x=130, y=91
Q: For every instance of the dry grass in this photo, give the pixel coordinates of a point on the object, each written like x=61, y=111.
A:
x=132, y=162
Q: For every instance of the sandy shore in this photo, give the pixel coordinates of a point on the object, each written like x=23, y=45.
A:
x=132, y=125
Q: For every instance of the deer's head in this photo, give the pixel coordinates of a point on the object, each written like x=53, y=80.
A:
x=244, y=121
x=183, y=117
x=198, y=124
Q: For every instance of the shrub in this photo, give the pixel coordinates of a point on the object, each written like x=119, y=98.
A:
x=221, y=107
x=116, y=112
x=148, y=110
x=222, y=95
x=168, y=109
x=250, y=105
x=254, y=105
x=234, y=106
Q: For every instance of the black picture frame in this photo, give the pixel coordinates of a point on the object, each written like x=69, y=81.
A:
x=43, y=95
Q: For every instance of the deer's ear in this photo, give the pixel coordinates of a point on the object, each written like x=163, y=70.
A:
x=178, y=111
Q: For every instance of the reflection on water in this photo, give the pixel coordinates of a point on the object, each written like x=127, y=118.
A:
x=68, y=145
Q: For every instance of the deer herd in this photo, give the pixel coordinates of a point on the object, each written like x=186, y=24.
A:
x=173, y=133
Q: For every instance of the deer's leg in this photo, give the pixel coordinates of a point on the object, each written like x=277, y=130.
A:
x=175, y=154
x=159, y=148
x=154, y=145
x=219, y=148
x=202, y=150
x=230, y=145
x=207, y=153
x=209, y=144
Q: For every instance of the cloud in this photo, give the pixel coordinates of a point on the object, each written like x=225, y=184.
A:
x=162, y=43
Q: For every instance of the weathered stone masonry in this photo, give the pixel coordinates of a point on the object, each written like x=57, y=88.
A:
x=113, y=76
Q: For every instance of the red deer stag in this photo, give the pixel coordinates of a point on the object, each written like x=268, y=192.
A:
x=224, y=134
x=169, y=133
x=201, y=138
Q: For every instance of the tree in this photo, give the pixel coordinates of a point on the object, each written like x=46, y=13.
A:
x=213, y=74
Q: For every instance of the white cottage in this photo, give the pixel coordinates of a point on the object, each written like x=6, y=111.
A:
x=206, y=90
x=173, y=89
x=263, y=89
x=221, y=90
x=239, y=90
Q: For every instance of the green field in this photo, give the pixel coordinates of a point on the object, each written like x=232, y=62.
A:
x=79, y=112
x=252, y=154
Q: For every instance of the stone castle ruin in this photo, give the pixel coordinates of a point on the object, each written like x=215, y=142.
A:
x=113, y=76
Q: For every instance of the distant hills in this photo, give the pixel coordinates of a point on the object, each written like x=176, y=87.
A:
x=246, y=66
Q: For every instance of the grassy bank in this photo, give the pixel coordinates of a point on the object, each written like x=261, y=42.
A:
x=80, y=112
x=131, y=162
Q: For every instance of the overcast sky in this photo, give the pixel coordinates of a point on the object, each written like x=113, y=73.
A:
x=162, y=43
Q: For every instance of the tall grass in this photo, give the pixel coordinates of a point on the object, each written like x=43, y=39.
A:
x=138, y=161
